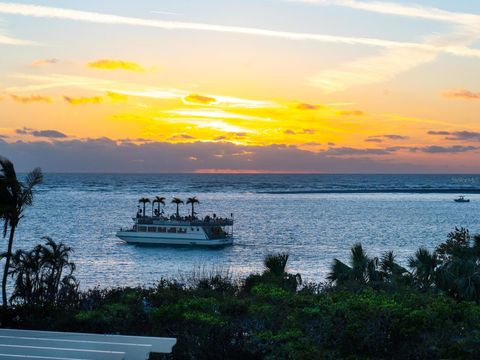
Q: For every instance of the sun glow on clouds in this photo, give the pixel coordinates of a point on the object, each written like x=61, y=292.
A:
x=327, y=109
x=109, y=64
x=215, y=114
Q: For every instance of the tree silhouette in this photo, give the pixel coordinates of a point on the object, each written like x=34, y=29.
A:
x=15, y=197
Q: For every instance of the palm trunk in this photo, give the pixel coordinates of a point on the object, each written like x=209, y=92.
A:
x=7, y=266
x=193, y=212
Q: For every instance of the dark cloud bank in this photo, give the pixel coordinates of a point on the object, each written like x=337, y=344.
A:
x=105, y=155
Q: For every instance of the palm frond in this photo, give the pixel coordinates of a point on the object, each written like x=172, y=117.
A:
x=339, y=272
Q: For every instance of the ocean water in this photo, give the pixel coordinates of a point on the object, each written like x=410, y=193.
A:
x=314, y=218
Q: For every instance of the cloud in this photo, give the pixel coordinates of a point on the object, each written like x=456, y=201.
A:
x=372, y=69
x=351, y=112
x=312, y=143
x=105, y=155
x=7, y=40
x=109, y=64
x=53, y=134
x=434, y=149
x=83, y=100
x=30, y=99
x=380, y=138
x=413, y=11
x=433, y=132
x=458, y=135
x=164, y=12
x=181, y=137
x=395, y=137
x=42, y=62
x=303, y=131
x=116, y=97
x=396, y=60
x=464, y=135
x=305, y=106
x=214, y=114
x=349, y=151
x=200, y=99
x=94, y=17
x=462, y=94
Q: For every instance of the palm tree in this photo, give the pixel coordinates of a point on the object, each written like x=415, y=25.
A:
x=144, y=201
x=460, y=278
x=276, y=264
x=39, y=274
x=276, y=271
x=159, y=200
x=15, y=197
x=424, y=265
x=177, y=201
x=193, y=200
x=362, y=269
x=56, y=258
x=392, y=271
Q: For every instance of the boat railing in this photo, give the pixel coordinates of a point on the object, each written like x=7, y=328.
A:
x=206, y=221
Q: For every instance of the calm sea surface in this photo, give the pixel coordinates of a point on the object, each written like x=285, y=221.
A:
x=312, y=217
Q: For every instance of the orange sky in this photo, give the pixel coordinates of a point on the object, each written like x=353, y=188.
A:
x=407, y=98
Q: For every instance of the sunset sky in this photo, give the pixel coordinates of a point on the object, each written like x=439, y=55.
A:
x=241, y=86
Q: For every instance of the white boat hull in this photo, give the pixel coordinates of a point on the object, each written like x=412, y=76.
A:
x=185, y=240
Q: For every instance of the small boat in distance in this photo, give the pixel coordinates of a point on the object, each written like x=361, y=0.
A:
x=461, y=199
x=158, y=229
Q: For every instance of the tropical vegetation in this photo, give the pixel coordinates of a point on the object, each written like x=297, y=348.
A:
x=370, y=307
x=15, y=197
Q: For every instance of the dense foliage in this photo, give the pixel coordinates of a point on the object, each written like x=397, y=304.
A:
x=15, y=197
x=372, y=308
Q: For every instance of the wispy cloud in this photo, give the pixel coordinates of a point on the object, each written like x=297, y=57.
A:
x=215, y=114
x=351, y=112
x=381, y=138
x=435, y=149
x=110, y=64
x=115, y=97
x=30, y=99
x=53, y=134
x=83, y=100
x=95, y=17
x=462, y=94
x=163, y=12
x=180, y=137
x=458, y=135
x=413, y=11
x=7, y=40
x=42, y=62
x=199, y=99
x=394, y=61
x=128, y=89
x=372, y=69
x=305, y=106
